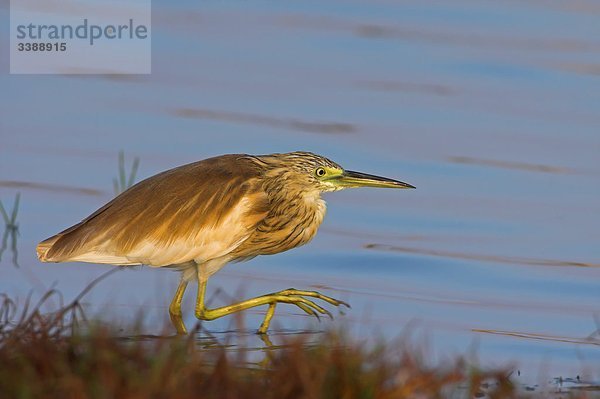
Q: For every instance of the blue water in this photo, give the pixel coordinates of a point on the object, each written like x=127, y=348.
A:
x=490, y=109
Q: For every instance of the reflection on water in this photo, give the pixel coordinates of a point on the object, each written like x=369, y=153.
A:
x=59, y=188
x=575, y=384
x=433, y=34
x=511, y=165
x=392, y=86
x=269, y=121
x=481, y=257
x=574, y=340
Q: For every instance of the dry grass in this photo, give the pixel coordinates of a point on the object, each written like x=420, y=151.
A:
x=60, y=355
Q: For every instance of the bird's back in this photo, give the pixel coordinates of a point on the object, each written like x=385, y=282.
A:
x=194, y=212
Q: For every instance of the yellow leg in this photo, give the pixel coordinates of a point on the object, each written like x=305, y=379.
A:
x=291, y=296
x=175, y=308
x=265, y=324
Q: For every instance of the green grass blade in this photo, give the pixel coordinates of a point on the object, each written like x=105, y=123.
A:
x=116, y=186
x=4, y=242
x=15, y=211
x=122, y=178
x=134, y=169
x=4, y=214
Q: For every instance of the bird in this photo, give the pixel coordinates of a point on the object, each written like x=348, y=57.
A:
x=199, y=217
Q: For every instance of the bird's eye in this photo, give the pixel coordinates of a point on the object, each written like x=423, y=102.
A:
x=320, y=172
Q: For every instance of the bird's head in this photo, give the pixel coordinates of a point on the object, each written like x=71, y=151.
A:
x=315, y=172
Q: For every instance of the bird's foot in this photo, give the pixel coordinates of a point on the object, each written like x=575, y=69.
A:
x=296, y=297
x=313, y=294
x=291, y=296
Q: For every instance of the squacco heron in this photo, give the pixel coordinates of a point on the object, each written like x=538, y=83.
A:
x=201, y=216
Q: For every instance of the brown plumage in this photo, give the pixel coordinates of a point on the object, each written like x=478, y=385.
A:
x=200, y=216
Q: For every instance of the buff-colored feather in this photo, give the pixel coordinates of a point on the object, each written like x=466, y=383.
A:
x=224, y=208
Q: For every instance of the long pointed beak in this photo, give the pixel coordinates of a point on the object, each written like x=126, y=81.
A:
x=358, y=179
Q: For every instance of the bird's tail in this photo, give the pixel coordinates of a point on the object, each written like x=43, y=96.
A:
x=44, y=247
x=75, y=245
x=81, y=243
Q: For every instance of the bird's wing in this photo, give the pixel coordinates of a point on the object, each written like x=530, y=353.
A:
x=198, y=211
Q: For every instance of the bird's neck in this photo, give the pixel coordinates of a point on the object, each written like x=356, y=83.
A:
x=294, y=217
x=296, y=201
x=293, y=195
